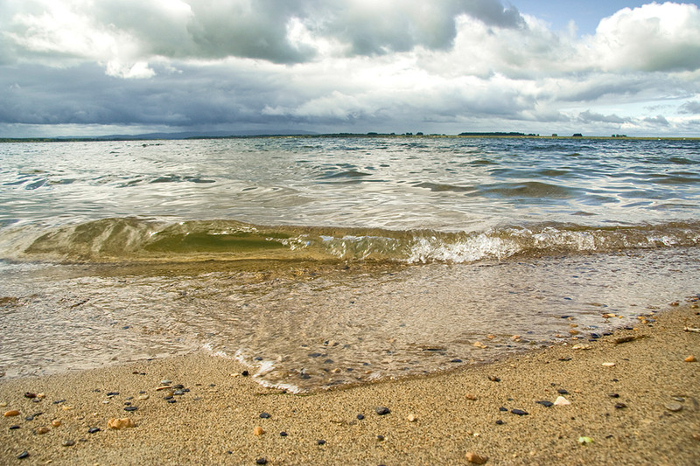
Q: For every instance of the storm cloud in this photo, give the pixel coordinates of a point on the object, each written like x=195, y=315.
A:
x=343, y=65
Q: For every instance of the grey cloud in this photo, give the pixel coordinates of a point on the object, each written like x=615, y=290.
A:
x=591, y=117
x=692, y=108
x=658, y=120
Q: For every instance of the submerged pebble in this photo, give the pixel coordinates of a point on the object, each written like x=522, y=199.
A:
x=675, y=407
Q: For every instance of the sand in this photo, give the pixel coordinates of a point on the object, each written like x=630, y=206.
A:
x=622, y=408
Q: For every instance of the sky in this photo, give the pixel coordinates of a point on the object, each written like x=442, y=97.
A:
x=103, y=67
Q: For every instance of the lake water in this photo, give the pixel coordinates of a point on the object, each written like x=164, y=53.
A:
x=328, y=261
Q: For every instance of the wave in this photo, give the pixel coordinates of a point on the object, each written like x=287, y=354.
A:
x=146, y=240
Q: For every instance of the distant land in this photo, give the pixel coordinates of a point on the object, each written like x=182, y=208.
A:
x=309, y=134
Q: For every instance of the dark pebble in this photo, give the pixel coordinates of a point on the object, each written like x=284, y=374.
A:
x=561, y=391
x=519, y=412
x=265, y=416
x=261, y=461
x=93, y=430
x=499, y=422
x=620, y=406
x=24, y=454
x=503, y=409
x=58, y=402
x=30, y=395
x=545, y=403
x=360, y=416
x=320, y=442
x=283, y=434
x=595, y=335
x=245, y=373
x=456, y=360
x=29, y=418
x=178, y=386
x=14, y=427
x=380, y=438
x=314, y=355
x=127, y=403
x=112, y=393
x=328, y=361
x=382, y=410
x=614, y=395
x=172, y=401
x=493, y=378
x=565, y=359
x=130, y=408
x=179, y=392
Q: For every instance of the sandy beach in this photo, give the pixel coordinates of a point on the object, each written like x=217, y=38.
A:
x=634, y=399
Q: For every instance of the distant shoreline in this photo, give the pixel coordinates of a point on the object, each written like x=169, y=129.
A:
x=351, y=135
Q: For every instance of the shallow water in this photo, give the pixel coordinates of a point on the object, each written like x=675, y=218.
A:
x=320, y=262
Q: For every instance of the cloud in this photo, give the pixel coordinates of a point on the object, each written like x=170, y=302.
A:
x=691, y=107
x=591, y=117
x=653, y=37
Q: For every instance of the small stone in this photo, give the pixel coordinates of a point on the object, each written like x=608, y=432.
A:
x=478, y=344
x=283, y=434
x=143, y=397
x=179, y=392
x=15, y=427
x=561, y=391
x=265, y=416
x=320, y=442
x=68, y=443
x=12, y=412
x=165, y=382
x=42, y=430
x=245, y=373
x=360, y=417
x=545, y=403
x=56, y=423
x=690, y=358
x=614, y=395
x=30, y=395
x=380, y=438
x=412, y=418
x=573, y=332
x=261, y=461
x=696, y=436
x=675, y=407
x=120, y=423
x=493, y=378
x=585, y=440
x=476, y=459
x=499, y=422
x=130, y=408
x=112, y=393
x=93, y=430
x=258, y=431
x=620, y=405
x=519, y=412
x=608, y=364
x=561, y=401
x=469, y=396
x=24, y=454
x=382, y=410
x=165, y=387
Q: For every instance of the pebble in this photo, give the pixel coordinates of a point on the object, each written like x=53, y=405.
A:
x=561, y=391
x=493, y=378
x=165, y=382
x=608, y=364
x=476, y=459
x=675, y=407
x=320, y=442
x=93, y=430
x=380, y=438
x=24, y=454
x=130, y=408
x=15, y=427
x=690, y=358
x=545, y=403
x=12, y=412
x=258, y=431
x=561, y=401
x=143, y=397
x=382, y=410
x=261, y=461
x=283, y=434
x=499, y=422
x=412, y=418
x=469, y=396
x=68, y=443
x=614, y=395
x=519, y=412
x=42, y=430
x=30, y=395
x=620, y=406
x=360, y=417
x=265, y=416
x=120, y=423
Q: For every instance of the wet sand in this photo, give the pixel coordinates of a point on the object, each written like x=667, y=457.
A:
x=644, y=409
